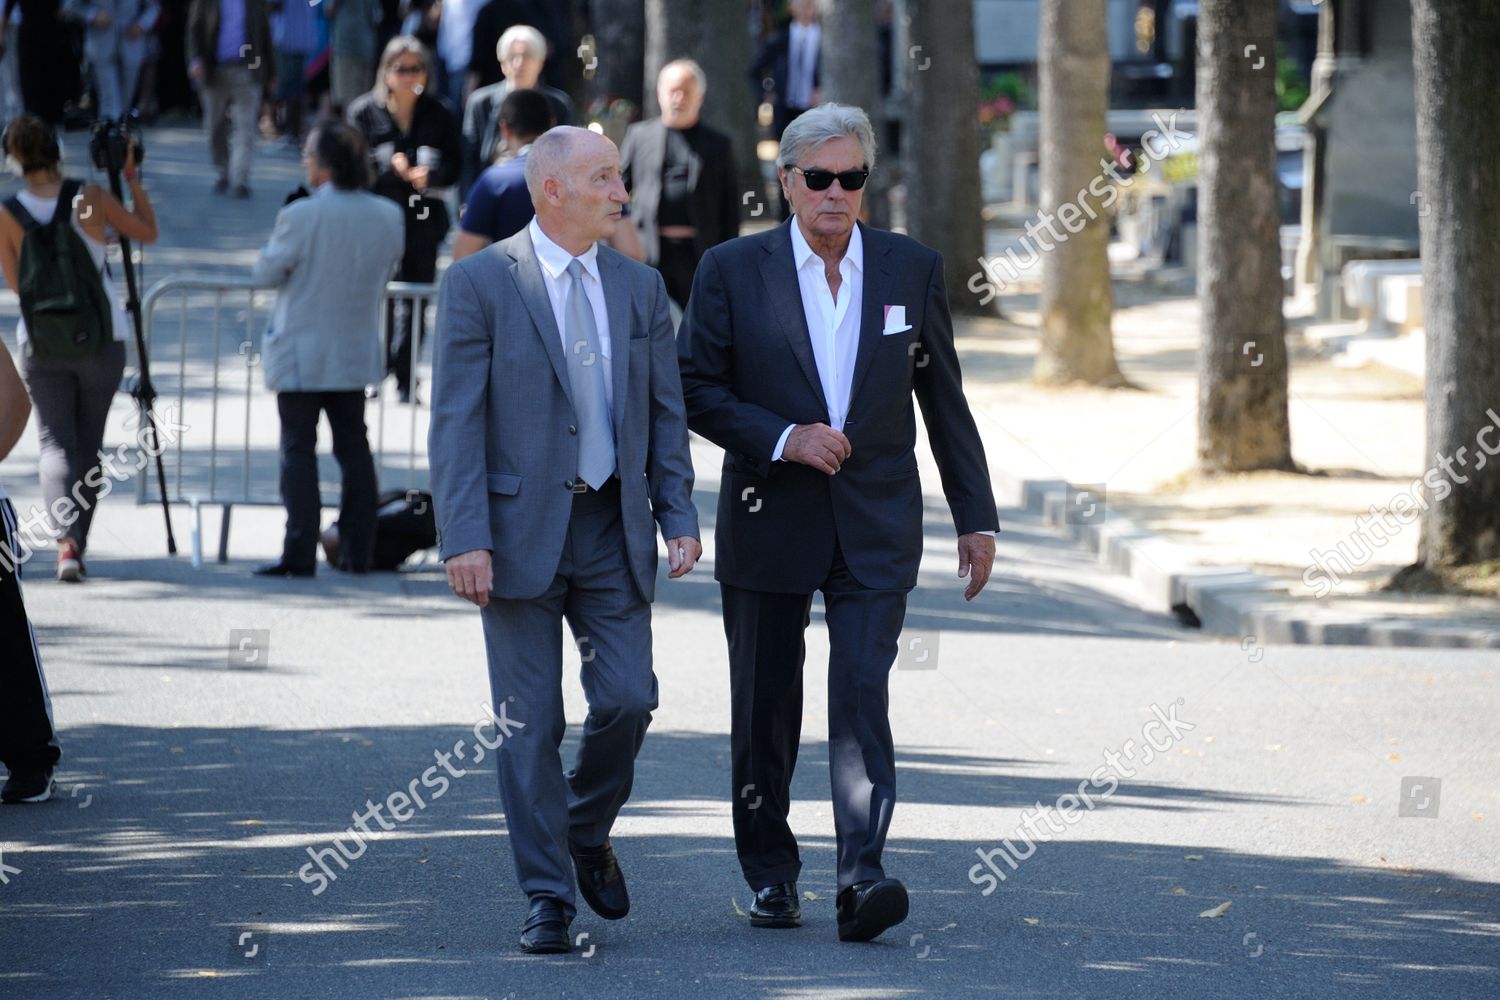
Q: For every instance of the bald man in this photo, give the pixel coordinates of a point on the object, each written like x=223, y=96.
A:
x=558, y=448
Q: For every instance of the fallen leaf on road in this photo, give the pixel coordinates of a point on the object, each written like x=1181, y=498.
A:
x=808, y=894
x=1192, y=857
x=1179, y=891
x=736, y=904
x=1216, y=912
x=1358, y=798
x=1033, y=921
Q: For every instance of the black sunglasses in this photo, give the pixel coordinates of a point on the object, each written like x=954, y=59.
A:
x=409, y=69
x=821, y=180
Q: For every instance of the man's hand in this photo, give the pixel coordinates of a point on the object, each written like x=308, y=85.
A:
x=102, y=19
x=682, y=555
x=817, y=445
x=195, y=70
x=471, y=575
x=976, y=555
x=134, y=31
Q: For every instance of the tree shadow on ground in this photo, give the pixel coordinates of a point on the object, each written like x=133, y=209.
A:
x=166, y=847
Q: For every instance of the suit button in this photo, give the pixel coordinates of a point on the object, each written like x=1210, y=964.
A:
x=568, y=484
x=572, y=429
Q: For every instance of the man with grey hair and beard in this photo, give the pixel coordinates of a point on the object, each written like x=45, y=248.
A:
x=801, y=351
x=558, y=448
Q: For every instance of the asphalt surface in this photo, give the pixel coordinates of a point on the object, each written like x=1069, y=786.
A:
x=201, y=762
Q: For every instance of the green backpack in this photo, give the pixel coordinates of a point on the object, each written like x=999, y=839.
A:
x=63, y=301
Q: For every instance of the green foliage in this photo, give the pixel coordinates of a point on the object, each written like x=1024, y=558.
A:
x=1292, y=85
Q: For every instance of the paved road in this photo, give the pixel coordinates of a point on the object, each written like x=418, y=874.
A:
x=197, y=774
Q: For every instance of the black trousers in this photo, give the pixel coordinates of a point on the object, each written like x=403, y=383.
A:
x=766, y=654
x=299, y=477
x=27, y=739
x=678, y=263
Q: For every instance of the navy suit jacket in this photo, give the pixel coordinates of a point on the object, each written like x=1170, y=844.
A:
x=748, y=371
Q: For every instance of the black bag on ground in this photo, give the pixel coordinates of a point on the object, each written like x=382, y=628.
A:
x=404, y=524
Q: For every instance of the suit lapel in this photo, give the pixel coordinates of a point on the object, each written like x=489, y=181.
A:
x=778, y=270
x=617, y=305
x=877, y=279
x=527, y=272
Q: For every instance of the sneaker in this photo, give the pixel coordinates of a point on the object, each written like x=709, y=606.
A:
x=27, y=786
x=69, y=564
x=241, y=191
x=221, y=185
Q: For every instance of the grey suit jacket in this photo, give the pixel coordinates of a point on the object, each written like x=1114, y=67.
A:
x=330, y=255
x=503, y=445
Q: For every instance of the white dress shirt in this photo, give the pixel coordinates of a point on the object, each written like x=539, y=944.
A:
x=832, y=324
x=555, y=260
x=802, y=59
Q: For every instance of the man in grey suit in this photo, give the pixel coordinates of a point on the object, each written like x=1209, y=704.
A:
x=558, y=437
x=330, y=256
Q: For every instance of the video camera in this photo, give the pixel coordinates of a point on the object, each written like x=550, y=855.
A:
x=110, y=140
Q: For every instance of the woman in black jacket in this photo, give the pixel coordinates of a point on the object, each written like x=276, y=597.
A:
x=416, y=145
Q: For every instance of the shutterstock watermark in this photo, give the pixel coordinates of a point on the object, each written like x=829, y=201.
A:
x=1373, y=530
x=1042, y=236
x=34, y=529
x=1106, y=778
x=320, y=874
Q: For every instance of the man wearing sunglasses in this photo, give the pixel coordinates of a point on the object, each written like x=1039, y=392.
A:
x=801, y=349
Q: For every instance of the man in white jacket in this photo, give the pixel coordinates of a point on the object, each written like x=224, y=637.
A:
x=330, y=255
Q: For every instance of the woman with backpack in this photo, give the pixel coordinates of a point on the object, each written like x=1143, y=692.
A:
x=73, y=325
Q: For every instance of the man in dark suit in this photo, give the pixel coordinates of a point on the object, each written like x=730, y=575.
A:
x=680, y=174
x=559, y=449
x=791, y=60
x=801, y=349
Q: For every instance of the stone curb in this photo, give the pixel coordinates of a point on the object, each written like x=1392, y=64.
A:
x=1230, y=601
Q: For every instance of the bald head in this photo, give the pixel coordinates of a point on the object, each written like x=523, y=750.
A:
x=573, y=176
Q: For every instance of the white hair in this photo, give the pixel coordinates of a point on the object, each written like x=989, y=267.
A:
x=816, y=126
x=693, y=68
x=535, y=43
x=549, y=155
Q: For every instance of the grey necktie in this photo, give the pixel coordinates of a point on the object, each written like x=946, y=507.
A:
x=596, y=438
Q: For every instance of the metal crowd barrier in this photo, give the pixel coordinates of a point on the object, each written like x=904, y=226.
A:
x=210, y=375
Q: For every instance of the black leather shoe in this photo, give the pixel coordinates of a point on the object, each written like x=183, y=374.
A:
x=546, y=929
x=776, y=906
x=867, y=908
x=282, y=569
x=600, y=880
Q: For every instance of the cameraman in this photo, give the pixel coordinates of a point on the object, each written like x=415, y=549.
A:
x=71, y=395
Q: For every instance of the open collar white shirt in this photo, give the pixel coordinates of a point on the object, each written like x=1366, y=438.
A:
x=832, y=323
x=554, y=261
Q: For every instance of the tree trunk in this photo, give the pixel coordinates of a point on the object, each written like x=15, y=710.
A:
x=1458, y=168
x=619, y=46
x=1077, y=302
x=1242, y=362
x=716, y=33
x=942, y=142
x=851, y=75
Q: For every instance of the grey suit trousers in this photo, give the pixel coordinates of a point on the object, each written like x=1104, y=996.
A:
x=594, y=591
